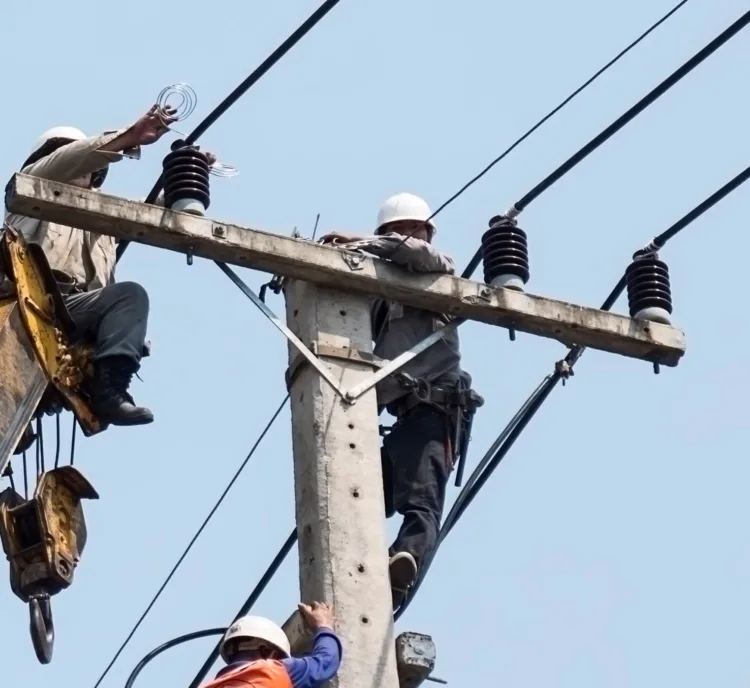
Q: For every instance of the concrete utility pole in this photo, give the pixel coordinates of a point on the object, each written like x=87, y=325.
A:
x=343, y=553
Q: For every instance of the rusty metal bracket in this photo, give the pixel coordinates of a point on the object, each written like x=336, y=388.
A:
x=336, y=352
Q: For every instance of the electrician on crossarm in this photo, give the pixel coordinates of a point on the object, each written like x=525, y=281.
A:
x=431, y=397
x=113, y=315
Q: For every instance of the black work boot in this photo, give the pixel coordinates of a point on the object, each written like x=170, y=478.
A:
x=109, y=394
x=403, y=570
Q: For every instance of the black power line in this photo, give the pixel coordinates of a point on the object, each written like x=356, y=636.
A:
x=557, y=109
x=618, y=124
x=245, y=86
x=515, y=427
x=195, y=537
x=168, y=646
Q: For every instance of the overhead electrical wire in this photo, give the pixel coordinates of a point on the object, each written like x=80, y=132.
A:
x=613, y=128
x=188, y=637
x=194, y=539
x=552, y=112
x=676, y=76
x=572, y=162
x=518, y=423
x=257, y=74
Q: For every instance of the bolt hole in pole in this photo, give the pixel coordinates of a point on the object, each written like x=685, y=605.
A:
x=505, y=257
x=649, y=290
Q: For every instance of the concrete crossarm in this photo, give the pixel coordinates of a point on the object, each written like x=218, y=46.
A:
x=345, y=270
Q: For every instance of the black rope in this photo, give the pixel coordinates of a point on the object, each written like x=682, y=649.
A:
x=245, y=86
x=11, y=478
x=39, y=448
x=249, y=602
x=192, y=542
x=25, y=477
x=73, y=442
x=518, y=423
x=57, y=444
x=544, y=119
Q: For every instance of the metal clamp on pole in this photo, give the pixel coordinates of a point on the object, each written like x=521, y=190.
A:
x=327, y=351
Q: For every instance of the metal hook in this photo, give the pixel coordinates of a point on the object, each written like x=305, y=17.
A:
x=41, y=627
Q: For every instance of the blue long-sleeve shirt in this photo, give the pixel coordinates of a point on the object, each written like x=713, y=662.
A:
x=320, y=666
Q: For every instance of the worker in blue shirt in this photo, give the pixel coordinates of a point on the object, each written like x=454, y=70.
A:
x=258, y=654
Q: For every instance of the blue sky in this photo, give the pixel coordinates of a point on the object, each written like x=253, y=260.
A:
x=609, y=548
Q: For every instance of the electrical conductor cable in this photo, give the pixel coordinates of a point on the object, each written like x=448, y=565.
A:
x=549, y=115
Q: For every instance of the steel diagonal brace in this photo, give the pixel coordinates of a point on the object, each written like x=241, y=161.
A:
x=279, y=325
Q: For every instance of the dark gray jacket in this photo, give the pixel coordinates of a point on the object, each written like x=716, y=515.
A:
x=405, y=326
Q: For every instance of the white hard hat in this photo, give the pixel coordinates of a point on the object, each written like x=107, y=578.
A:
x=58, y=133
x=404, y=206
x=259, y=628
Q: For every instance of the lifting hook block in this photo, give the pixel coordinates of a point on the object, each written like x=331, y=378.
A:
x=41, y=627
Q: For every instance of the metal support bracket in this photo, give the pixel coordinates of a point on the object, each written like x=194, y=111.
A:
x=353, y=259
x=327, y=351
x=279, y=325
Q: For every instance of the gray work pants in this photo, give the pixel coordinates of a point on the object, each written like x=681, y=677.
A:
x=115, y=318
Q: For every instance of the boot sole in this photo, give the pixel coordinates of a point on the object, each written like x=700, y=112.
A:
x=403, y=574
x=127, y=422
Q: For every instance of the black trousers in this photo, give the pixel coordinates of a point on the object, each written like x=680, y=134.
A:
x=417, y=462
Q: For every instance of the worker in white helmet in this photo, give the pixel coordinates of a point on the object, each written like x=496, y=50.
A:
x=431, y=429
x=258, y=655
x=112, y=315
